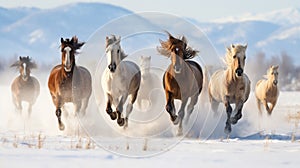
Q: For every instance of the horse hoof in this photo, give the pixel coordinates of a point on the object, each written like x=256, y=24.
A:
x=179, y=133
x=61, y=127
x=121, y=122
x=233, y=120
x=113, y=115
x=175, y=120
x=227, y=130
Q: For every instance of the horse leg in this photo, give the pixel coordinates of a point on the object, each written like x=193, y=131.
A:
x=266, y=106
x=129, y=107
x=272, y=107
x=85, y=103
x=120, y=120
x=190, y=107
x=29, y=110
x=227, y=129
x=181, y=116
x=170, y=107
x=58, y=112
x=113, y=115
x=78, y=105
x=18, y=105
x=259, y=106
x=238, y=115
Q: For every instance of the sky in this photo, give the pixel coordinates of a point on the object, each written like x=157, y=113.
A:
x=202, y=10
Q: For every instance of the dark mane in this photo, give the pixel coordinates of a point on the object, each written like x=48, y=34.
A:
x=166, y=46
x=73, y=43
x=31, y=64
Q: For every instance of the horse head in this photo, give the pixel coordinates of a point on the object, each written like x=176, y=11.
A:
x=145, y=63
x=235, y=58
x=24, y=64
x=114, y=52
x=68, y=50
x=273, y=74
x=177, y=49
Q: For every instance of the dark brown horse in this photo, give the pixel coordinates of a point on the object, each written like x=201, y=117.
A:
x=69, y=82
x=25, y=87
x=182, y=80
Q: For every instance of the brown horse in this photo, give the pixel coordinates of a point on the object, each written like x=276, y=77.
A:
x=25, y=87
x=69, y=82
x=182, y=80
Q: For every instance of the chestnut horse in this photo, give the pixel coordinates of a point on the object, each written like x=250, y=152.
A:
x=69, y=82
x=25, y=87
x=182, y=80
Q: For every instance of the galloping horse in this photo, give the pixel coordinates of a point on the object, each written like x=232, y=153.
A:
x=182, y=80
x=231, y=85
x=69, y=82
x=25, y=87
x=149, y=82
x=266, y=91
x=119, y=80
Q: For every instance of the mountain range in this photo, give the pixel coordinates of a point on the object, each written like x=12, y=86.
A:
x=37, y=32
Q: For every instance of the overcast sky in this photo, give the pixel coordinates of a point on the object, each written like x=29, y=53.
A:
x=203, y=10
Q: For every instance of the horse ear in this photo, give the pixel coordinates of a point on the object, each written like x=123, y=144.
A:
x=228, y=49
x=20, y=58
x=246, y=45
x=170, y=36
x=61, y=40
x=184, y=39
x=275, y=66
x=118, y=38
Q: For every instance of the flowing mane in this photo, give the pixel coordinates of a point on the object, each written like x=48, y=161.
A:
x=166, y=47
x=31, y=64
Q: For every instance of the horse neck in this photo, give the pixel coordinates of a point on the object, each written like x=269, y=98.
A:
x=65, y=74
x=270, y=85
x=145, y=71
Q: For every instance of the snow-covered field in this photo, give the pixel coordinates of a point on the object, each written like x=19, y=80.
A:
x=37, y=142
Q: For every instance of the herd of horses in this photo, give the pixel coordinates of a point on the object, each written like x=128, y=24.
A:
x=121, y=80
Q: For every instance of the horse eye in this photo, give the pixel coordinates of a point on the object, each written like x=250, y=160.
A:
x=234, y=56
x=118, y=51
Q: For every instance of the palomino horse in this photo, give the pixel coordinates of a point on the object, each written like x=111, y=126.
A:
x=231, y=85
x=149, y=82
x=266, y=91
x=69, y=82
x=25, y=87
x=182, y=80
x=119, y=80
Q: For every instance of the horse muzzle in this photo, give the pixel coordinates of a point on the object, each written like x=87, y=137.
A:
x=68, y=68
x=275, y=82
x=177, y=69
x=112, y=67
x=239, y=72
x=24, y=77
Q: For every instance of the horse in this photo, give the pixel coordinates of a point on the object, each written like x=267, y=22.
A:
x=230, y=86
x=266, y=90
x=149, y=82
x=120, y=80
x=182, y=80
x=68, y=82
x=25, y=87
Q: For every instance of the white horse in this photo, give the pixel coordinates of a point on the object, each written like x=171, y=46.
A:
x=231, y=85
x=266, y=90
x=120, y=80
x=149, y=82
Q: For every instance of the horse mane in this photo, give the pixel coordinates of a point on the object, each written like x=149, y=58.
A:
x=73, y=42
x=165, y=48
x=112, y=39
x=31, y=64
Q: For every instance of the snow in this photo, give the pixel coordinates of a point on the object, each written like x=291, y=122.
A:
x=36, y=142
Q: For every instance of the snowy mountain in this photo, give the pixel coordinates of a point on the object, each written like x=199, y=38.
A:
x=36, y=32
